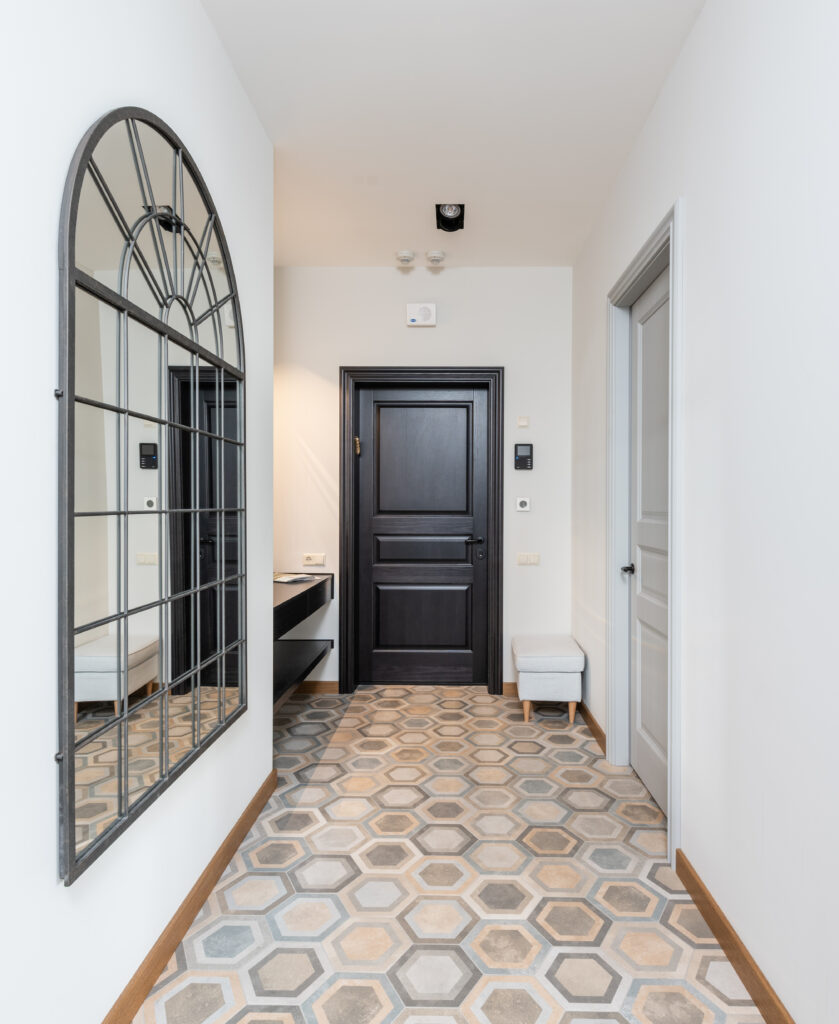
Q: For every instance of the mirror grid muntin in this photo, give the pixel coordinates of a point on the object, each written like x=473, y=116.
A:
x=180, y=302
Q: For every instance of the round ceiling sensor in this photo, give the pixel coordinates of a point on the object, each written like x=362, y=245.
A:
x=450, y=210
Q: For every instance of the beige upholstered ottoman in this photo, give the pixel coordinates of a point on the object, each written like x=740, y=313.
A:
x=549, y=667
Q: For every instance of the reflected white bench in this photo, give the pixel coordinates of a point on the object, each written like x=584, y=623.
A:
x=549, y=667
x=96, y=668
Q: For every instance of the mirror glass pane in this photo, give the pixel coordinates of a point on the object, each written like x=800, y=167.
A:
x=96, y=805
x=143, y=369
x=141, y=283
x=145, y=742
x=232, y=544
x=233, y=677
x=232, y=612
x=209, y=547
x=181, y=728
x=209, y=333
x=209, y=643
x=207, y=398
x=97, y=659
x=231, y=389
x=181, y=552
x=96, y=592
x=99, y=242
x=230, y=344
x=180, y=385
x=209, y=703
x=179, y=470
x=178, y=318
x=232, y=476
x=183, y=642
x=97, y=462
x=97, y=349
x=209, y=461
x=143, y=540
x=143, y=654
x=144, y=465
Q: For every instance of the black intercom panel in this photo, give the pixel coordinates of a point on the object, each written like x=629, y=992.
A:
x=148, y=455
x=524, y=456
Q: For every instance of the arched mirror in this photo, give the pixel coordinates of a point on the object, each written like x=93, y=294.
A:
x=152, y=479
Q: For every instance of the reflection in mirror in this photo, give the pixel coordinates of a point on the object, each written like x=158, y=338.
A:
x=231, y=390
x=232, y=613
x=208, y=547
x=180, y=701
x=181, y=552
x=233, y=678
x=145, y=465
x=208, y=623
x=143, y=369
x=142, y=677
x=97, y=657
x=145, y=747
x=97, y=459
x=183, y=642
x=96, y=594
x=96, y=803
x=208, y=701
x=151, y=484
x=144, y=550
x=97, y=349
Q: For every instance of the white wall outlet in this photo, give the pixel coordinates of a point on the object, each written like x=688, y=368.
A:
x=146, y=558
x=311, y=558
x=150, y=503
x=527, y=558
x=421, y=314
x=522, y=504
x=523, y=421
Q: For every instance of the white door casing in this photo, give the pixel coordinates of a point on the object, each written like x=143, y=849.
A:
x=649, y=522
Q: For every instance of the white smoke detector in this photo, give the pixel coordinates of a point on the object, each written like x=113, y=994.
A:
x=435, y=257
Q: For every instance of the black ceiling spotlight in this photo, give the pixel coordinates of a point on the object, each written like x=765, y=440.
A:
x=450, y=216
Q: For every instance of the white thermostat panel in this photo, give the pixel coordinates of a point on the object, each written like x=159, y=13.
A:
x=421, y=314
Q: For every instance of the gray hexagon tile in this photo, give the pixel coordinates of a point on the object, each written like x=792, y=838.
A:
x=430, y=858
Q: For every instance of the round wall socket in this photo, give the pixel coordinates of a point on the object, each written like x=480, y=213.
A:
x=523, y=504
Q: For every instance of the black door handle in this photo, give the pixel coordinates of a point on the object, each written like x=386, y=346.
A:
x=628, y=569
x=474, y=540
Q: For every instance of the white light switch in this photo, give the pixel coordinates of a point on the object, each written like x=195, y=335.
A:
x=527, y=558
x=146, y=558
x=314, y=559
x=523, y=421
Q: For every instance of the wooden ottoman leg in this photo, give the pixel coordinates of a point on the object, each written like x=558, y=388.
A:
x=528, y=708
x=572, y=710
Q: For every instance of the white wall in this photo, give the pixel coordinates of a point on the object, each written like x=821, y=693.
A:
x=518, y=318
x=65, y=66
x=745, y=130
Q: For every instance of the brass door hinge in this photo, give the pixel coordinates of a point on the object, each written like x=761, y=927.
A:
x=357, y=441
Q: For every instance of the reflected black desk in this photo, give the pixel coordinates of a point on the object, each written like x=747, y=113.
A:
x=293, y=603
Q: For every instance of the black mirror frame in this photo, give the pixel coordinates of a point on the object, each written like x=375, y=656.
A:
x=72, y=865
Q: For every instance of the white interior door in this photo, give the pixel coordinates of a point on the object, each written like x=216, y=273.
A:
x=649, y=537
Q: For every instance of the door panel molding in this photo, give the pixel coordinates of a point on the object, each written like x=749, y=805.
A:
x=353, y=378
x=663, y=249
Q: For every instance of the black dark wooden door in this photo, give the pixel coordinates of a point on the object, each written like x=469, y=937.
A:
x=421, y=593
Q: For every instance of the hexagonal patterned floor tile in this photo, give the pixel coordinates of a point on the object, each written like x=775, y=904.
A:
x=429, y=858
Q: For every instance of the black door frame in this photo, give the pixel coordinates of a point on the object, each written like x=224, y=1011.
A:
x=355, y=377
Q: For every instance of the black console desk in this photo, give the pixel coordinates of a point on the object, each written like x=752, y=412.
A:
x=294, y=602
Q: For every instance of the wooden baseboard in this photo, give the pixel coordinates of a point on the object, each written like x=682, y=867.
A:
x=765, y=997
x=593, y=727
x=135, y=992
x=318, y=686
x=509, y=690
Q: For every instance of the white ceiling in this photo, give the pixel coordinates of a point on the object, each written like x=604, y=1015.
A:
x=378, y=109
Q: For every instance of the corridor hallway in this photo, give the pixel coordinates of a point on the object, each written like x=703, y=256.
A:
x=427, y=858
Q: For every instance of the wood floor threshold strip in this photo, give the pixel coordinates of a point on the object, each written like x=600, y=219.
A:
x=755, y=981
x=135, y=992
